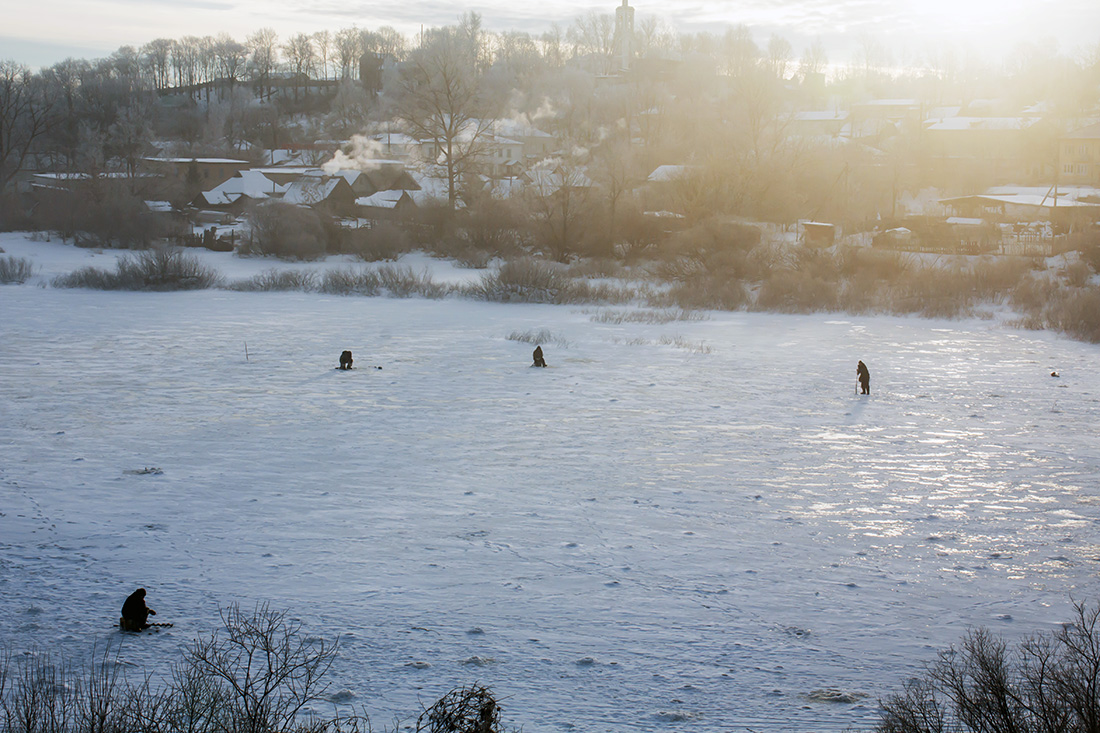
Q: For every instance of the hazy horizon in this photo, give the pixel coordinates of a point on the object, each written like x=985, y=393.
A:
x=52, y=30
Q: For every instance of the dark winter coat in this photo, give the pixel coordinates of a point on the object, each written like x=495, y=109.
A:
x=134, y=611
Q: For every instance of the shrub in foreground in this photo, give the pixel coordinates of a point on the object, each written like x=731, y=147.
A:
x=155, y=269
x=15, y=269
x=1046, y=684
x=258, y=673
x=276, y=280
x=285, y=230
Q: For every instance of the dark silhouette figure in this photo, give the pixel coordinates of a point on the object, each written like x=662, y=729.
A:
x=539, y=361
x=1054, y=374
x=864, y=377
x=135, y=614
x=345, y=360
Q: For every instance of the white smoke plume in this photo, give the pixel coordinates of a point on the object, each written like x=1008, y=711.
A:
x=364, y=156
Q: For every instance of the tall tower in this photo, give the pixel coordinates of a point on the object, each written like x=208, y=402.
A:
x=624, y=36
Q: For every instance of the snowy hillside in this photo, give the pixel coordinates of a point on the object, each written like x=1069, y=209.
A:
x=685, y=526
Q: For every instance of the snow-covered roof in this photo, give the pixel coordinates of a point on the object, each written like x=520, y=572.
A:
x=1092, y=132
x=383, y=199
x=1036, y=196
x=251, y=183
x=548, y=181
x=965, y=221
x=823, y=115
x=981, y=123
x=516, y=128
x=666, y=173
x=311, y=190
x=210, y=161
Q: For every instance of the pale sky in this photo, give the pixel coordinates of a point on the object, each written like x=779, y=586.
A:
x=40, y=32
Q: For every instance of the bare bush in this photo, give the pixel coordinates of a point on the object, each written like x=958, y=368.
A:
x=933, y=292
x=797, y=291
x=272, y=280
x=1076, y=313
x=1046, y=684
x=286, y=231
x=165, y=268
x=647, y=316
x=538, y=336
x=350, y=281
x=15, y=269
x=1076, y=274
x=471, y=709
x=382, y=242
x=155, y=269
x=402, y=282
x=704, y=292
x=695, y=347
x=994, y=279
x=263, y=669
x=524, y=281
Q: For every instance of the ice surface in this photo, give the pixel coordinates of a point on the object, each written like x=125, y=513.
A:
x=641, y=537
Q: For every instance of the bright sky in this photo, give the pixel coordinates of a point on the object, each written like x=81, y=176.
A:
x=41, y=32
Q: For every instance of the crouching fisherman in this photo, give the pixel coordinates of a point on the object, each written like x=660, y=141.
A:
x=135, y=614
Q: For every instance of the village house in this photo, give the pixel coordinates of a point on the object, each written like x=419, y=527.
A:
x=196, y=174
x=981, y=151
x=235, y=194
x=1079, y=156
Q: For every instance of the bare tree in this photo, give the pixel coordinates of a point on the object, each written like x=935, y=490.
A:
x=322, y=41
x=1047, y=684
x=157, y=54
x=27, y=112
x=264, y=58
x=553, y=46
x=348, y=50
x=300, y=56
x=779, y=56
x=593, y=36
x=442, y=105
x=231, y=56
x=267, y=671
x=813, y=61
x=560, y=199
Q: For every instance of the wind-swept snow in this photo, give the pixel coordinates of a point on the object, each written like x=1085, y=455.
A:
x=693, y=525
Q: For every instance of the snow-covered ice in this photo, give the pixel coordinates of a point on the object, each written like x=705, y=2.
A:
x=648, y=535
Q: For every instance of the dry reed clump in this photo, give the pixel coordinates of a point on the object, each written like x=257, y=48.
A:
x=471, y=709
x=1076, y=313
x=350, y=281
x=277, y=280
x=538, y=336
x=796, y=291
x=403, y=282
x=695, y=347
x=159, y=269
x=703, y=293
x=524, y=281
x=382, y=243
x=994, y=279
x=646, y=316
x=933, y=292
x=15, y=269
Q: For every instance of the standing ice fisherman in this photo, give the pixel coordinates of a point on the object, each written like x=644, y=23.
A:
x=864, y=377
x=537, y=355
x=135, y=614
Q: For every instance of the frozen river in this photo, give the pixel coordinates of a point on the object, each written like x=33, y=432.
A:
x=682, y=526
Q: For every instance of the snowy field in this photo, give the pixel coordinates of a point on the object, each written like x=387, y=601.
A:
x=689, y=526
